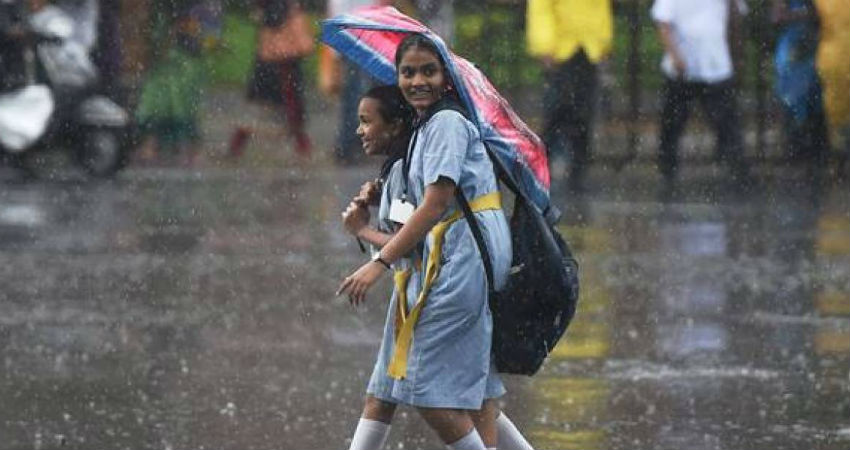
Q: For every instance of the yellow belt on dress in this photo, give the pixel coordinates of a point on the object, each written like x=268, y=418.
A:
x=405, y=321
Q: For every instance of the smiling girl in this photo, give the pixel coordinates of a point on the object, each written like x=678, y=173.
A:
x=439, y=357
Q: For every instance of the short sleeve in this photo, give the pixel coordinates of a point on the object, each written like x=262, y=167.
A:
x=662, y=10
x=446, y=139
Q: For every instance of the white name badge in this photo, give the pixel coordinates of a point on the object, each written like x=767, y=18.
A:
x=400, y=210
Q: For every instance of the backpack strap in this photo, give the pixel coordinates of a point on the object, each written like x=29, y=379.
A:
x=551, y=214
x=479, y=237
x=449, y=102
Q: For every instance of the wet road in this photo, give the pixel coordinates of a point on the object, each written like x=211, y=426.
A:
x=170, y=309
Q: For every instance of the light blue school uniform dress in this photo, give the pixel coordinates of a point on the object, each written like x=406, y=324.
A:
x=448, y=363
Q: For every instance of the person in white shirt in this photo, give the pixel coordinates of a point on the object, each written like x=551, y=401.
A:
x=697, y=65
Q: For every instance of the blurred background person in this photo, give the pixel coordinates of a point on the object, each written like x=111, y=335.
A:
x=833, y=55
x=697, y=65
x=570, y=38
x=797, y=84
x=169, y=103
x=285, y=38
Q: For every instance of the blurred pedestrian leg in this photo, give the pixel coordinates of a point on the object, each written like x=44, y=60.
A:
x=719, y=103
x=569, y=105
x=293, y=105
x=279, y=84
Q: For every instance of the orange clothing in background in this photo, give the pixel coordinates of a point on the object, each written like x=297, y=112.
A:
x=833, y=60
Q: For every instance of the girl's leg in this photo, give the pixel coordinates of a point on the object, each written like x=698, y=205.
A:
x=293, y=103
x=509, y=436
x=676, y=98
x=454, y=427
x=497, y=430
x=485, y=422
x=374, y=425
x=376, y=409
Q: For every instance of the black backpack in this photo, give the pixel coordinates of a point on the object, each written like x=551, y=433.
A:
x=533, y=310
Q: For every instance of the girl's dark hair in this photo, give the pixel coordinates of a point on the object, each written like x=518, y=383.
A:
x=393, y=108
x=391, y=104
x=419, y=41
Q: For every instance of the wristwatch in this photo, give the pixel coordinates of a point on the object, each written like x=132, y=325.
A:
x=376, y=257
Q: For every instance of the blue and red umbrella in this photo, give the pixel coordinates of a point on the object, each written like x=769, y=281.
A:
x=369, y=38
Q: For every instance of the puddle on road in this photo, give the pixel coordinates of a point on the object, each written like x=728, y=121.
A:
x=192, y=312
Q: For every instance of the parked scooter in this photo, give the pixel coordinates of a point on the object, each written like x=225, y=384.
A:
x=58, y=104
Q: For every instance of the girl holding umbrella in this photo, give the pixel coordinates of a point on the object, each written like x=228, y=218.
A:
x=439, y=358
x=385, y=128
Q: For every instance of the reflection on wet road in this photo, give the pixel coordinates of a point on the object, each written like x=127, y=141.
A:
x=171, y=310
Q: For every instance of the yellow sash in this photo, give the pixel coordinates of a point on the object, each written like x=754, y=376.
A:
x=404, y=321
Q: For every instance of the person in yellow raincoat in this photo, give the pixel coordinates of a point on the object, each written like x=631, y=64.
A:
x=833, y=64
x=570, y=38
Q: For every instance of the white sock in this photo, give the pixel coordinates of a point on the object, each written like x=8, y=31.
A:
x=369, y=435
x=471, y=441
x=509, y=437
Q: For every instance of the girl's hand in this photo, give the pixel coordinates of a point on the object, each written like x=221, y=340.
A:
x=356, y=284
x=370, y=194
x=355, y=218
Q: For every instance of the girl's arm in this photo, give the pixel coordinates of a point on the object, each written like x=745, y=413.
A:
x=374, y=237
x=438, y=197
x=355, y=219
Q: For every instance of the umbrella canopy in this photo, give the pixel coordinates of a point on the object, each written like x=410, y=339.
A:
x=369, y=38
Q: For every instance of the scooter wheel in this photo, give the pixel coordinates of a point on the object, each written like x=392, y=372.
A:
x=101, y=152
